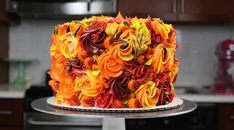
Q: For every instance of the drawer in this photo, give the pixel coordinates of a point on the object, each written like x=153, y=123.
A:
x=11, y=112
x=11, y=128
x=226, y=116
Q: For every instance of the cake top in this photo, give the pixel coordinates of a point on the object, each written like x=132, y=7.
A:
x=114, y=62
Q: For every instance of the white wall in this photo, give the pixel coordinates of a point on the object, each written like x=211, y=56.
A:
x=197, y=53
x=31, y=40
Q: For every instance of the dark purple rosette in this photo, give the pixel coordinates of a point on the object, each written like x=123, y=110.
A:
x=167, y=93
x=92, y=40
x=119, y=86
x=74, y=68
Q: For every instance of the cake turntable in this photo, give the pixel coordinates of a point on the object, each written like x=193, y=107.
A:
x=113, y=120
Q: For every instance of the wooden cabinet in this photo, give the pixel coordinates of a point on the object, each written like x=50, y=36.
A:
x=165, y=9
x=11, y=114
x=226, y=117
x=5, y=17
x=180, y=11
x=5, y=20
x=211, y=11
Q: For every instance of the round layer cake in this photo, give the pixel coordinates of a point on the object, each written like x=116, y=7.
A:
x=114, y=62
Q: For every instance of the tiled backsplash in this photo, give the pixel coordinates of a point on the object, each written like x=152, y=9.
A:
x=31, y=40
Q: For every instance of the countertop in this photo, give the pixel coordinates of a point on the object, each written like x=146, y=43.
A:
x=207, y=98
x=7, y=93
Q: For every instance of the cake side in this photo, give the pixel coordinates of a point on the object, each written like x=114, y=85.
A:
x=114, y=62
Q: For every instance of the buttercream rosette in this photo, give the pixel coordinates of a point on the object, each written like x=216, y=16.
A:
x=114, y=62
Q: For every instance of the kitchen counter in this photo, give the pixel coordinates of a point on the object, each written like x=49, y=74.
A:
x=7, y=93
x=202, y=95
x=207, y=98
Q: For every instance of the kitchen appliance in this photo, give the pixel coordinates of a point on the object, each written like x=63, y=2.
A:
x=69, y=9
x=224, y=80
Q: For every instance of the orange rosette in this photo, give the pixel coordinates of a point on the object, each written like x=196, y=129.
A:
x=134, y=103
x=87, y=84
x=109, y=67
x=69, y=46
x=66, y=91
x=74, y=27
x=157, y=59
x=61, y=29
x=148, y=94
x=87, y=101
x=57, y=71
x=67, y=88
x=160, y=28
x=121, y=51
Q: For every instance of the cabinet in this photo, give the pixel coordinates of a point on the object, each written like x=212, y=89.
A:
x=180, y=11
x=164, y=9
x=7, y=18
x=3, y=15
x=11, y=114
x=212, y=11
x=226, y=117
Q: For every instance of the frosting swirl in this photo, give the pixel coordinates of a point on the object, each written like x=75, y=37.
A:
x=113, y=29
x=120, y=87
x=69, y=45
x=108, y=66
x=87, y=84
x=92, y=40
x=148, y=94
x=105, y=100
x=121, y=51
x=157, y=59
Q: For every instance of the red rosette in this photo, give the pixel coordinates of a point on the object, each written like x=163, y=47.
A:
x=104, y=100
x=87, y=101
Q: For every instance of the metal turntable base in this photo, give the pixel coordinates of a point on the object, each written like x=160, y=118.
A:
x=116, y=120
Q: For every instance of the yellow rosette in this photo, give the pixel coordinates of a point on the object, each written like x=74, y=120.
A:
x=113, y=29
x=161, y=28
x=69, y=46
x=157, y=59
x=148, y=94
x=141, y=39
x=121, y=51
x=87, y=84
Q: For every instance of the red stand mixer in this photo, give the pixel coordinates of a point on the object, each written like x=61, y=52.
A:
x=224, y=80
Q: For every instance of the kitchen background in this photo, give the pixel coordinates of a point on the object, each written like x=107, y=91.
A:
x=25, y=35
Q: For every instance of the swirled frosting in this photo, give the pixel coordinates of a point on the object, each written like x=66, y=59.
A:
x=114, y=62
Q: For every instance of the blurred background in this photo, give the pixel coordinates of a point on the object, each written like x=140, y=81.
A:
x=205, y=30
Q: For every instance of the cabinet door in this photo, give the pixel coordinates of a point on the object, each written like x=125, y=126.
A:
x=226, y=117
x=164, y=9
x=11, y=112
x=210, y=11
x=3, y=16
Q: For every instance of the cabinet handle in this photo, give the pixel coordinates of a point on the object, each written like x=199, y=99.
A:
x=56, y=123
x=174, y=10
x=232, y=117
x=182, y=6
x=6, y=113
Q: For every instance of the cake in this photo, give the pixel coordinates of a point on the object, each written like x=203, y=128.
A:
x=113, y=62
